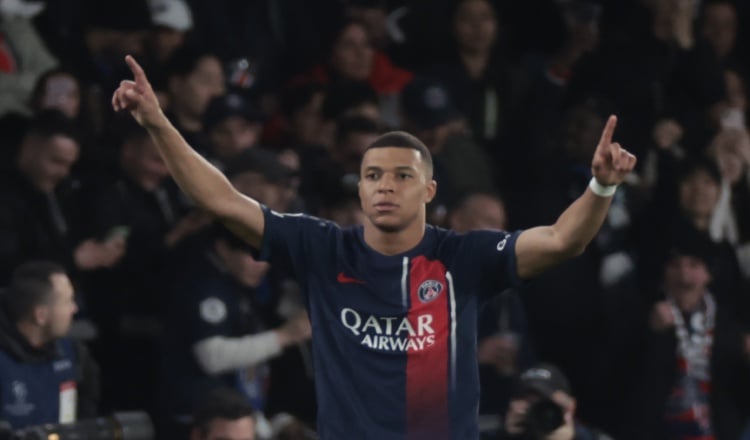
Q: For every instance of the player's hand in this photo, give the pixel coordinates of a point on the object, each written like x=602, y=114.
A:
x=661, y=318
x=611, y=162
x=92, y=254
x=516, y=416
x=138, y=97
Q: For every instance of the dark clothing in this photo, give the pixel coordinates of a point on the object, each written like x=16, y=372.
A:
x=466, y=166
x=205, y=301
x=488, y=102
x=292, y=388
x=39, y=386
x=198, y=140
x=565, y=305
x=394, y=336
x=134, y=284
x=127, y=301
x=661, y=80
x=729, y=404
x=323, y=179
x=36, y=225
x=504, y=315
x=741, y=206
x=280, y=38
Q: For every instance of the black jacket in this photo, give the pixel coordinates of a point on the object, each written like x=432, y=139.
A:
x=27, y=226
x=730, y=386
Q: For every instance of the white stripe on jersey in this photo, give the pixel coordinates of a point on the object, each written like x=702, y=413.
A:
x=452, y=293
x=404, y=290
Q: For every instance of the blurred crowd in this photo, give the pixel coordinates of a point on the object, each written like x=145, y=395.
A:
x=651, y=325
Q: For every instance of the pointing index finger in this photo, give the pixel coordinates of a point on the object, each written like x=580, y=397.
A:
x=138, y=73
x=609, y=130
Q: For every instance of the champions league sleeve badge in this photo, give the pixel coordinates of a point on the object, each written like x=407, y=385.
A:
x=213, y=310
x=429, y=290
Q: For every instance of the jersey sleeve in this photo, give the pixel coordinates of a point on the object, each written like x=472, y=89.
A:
x=493, y=255
x=298, y=241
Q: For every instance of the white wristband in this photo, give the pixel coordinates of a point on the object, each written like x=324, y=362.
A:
x=602, y=190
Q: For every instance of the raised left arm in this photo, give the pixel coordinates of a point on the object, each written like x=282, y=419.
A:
x=540, y=248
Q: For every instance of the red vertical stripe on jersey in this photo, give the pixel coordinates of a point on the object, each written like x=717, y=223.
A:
x=7, y=60
x=427, y=364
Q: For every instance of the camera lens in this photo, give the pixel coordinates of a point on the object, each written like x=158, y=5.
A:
x=544, y=417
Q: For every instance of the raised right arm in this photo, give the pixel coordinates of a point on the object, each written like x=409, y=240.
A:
x=200, y=180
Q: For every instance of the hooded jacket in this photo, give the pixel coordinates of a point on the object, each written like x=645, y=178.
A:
x=53, y=384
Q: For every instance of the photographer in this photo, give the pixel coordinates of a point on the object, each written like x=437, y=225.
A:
x=544, y=408
x=45, y=377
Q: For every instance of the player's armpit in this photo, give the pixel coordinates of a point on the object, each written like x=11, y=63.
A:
x=244, y=217
x=540, y=248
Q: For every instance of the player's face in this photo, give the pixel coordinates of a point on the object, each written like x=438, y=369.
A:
x=191, y=94
x=62, y=306
x=394, y=187
x=55, y=157
x=352, y=55
x=699, y=194
x=475, y=25
x=148, y=169
x=720, y=27
x=234, y=135
x=686, y=275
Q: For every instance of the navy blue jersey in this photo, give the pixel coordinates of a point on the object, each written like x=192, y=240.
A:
x=394, y=337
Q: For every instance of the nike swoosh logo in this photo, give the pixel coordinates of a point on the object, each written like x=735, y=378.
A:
x=341, y=278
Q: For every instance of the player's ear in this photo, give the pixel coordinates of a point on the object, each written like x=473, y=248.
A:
x=431, y=191
x=41, y=315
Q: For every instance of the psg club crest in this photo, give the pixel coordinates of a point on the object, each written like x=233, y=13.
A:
x=429, y=290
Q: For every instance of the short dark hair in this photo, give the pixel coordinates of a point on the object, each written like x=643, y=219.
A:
x=355, y=124
x=224, y=403
x=298, y=96
x=128, y=130
x=185, y=60
x=700, y=163
x=30, y=286
x=332, y=35
x=50, y=123
x=402, y=139
x=344, y=95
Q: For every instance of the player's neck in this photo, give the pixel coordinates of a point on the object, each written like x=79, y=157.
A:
x=32, y=333
x=393, y=243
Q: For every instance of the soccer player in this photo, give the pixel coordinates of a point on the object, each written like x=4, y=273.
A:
x=393, y=303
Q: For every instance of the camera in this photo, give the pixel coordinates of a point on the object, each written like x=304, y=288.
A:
x=120, y=426
x=542, y=418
